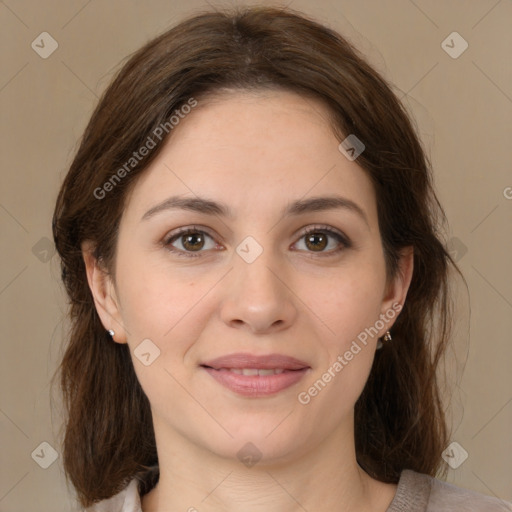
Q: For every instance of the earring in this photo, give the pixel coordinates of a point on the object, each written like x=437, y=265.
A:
x=387, y=337
x=111, y=332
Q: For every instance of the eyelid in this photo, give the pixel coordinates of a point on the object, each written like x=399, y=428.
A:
x=331, y=231
x=325, y=228
x=166, y=242
x=343, y=240
x=186, y=229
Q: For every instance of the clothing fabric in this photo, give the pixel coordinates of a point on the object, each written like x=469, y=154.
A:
x=415, y=492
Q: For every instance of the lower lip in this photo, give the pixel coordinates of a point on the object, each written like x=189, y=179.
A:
x=256, y=385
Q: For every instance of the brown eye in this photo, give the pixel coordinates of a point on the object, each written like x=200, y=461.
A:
x=189, y=241
x=192, y=242
x=316, y=241
x=319, y=238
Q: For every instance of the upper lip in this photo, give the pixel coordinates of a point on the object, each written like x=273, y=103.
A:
x=242, y=360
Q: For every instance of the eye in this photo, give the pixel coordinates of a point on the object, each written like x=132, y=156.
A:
x=317, y=238
x=192, y=240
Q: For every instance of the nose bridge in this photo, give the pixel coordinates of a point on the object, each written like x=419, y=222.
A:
x=257, y=295
x=256, y=266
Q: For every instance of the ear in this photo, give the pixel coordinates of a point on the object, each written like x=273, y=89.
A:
x=104, y=294
x=397, y=287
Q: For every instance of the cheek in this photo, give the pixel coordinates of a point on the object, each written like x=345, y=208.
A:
x=350, y=306
x=163, y=304
x=350, y=302
x=169, y=312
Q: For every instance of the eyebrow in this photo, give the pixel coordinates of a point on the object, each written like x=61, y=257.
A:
x=301, y=206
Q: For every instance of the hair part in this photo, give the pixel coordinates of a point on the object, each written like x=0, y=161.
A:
x=399, y=418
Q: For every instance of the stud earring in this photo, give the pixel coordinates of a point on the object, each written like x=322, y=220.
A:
x=111, y=332
x=387, y=337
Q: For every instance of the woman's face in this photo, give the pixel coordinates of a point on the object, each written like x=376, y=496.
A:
x=247, y=288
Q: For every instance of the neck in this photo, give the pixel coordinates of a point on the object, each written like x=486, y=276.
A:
x=327, y=477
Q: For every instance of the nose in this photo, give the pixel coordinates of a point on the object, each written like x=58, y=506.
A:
x=259, y=296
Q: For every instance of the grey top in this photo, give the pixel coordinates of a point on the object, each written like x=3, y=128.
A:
x=415, y=492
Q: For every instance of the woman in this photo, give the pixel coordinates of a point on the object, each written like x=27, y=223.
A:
x=259, y=293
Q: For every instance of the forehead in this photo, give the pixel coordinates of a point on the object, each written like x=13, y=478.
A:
x=255, y=151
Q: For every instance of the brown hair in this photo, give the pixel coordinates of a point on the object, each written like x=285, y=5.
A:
x=399, y=418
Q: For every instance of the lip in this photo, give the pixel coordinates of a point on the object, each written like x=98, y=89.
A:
x=256, y=385
x=265, y=362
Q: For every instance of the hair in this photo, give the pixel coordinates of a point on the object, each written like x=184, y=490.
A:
x=399, y=418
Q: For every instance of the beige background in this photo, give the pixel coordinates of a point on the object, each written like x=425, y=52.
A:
x=463, y=108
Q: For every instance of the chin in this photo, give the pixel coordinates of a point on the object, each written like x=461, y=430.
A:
x=259, y=444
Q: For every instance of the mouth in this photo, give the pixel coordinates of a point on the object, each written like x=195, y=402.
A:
x=254, y=371
x=251, y=362
x=256, y=376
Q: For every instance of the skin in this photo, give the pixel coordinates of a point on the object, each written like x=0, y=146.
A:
x=256, y=152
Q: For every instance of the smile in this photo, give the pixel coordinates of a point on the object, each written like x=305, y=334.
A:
x=255, y=371
x=256, y=376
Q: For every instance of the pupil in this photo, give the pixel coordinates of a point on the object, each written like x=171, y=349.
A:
x=316, y=240
x=189, y=244
x=316, y=236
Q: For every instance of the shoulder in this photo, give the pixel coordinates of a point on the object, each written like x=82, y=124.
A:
x=450, y=496
x=128, y=500
x=417, y=492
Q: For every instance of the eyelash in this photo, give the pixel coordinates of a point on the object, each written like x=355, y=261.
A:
x=343, y=240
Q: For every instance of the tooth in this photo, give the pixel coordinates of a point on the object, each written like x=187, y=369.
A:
x=256, y=371
x=271, y=371
x=249, y=371
x=266, y=372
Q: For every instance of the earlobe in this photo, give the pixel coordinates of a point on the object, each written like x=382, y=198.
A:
x=104, y=294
